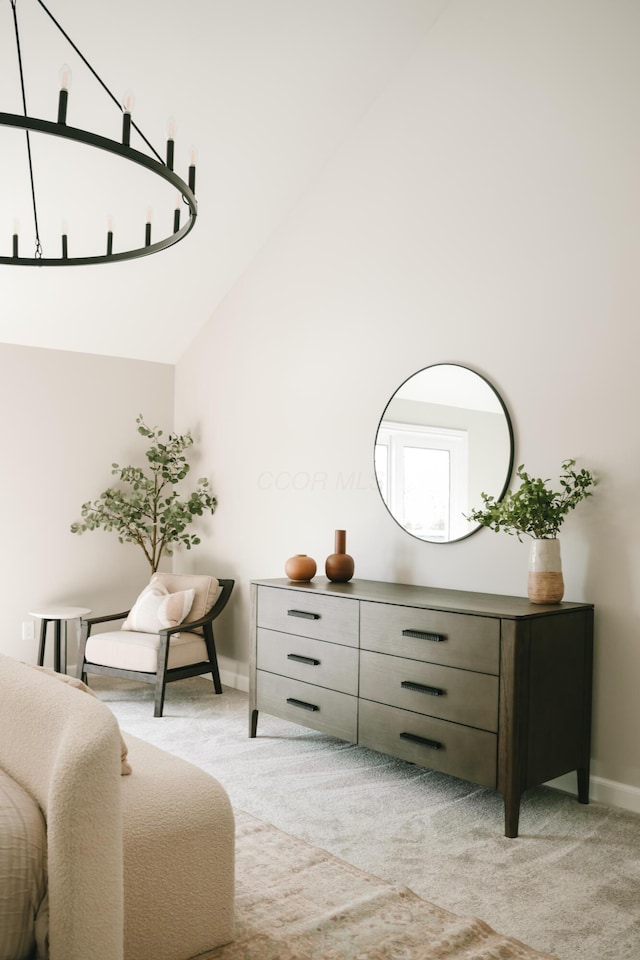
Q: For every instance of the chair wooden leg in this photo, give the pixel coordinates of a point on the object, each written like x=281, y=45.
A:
x=161, y=674
x=215, y=673
x=213, y=657
x=82, y=644
x=158, y=705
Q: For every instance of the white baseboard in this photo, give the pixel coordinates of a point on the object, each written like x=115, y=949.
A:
x=611, y=792
x=238, y=681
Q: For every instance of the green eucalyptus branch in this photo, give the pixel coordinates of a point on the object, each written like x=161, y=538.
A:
x=534, y=509
x=146, y=508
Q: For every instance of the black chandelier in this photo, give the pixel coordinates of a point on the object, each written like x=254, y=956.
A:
x=121, y=148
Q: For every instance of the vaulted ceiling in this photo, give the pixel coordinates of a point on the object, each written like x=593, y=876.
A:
x=264, y=92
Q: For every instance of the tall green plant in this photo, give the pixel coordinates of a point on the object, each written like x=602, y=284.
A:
x=534, y=508
x=146, y=507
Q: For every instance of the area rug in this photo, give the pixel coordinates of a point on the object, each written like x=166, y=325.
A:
x=294, y=901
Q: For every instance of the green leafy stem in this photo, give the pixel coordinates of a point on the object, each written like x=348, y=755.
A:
x=534, y=508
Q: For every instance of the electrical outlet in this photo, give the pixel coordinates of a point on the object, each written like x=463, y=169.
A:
x=28, y=630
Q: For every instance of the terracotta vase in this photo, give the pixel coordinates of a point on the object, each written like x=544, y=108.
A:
x=339, y=566
x=300, y=568
x=545, y=583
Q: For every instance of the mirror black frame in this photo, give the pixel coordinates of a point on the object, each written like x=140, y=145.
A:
x=509, y=425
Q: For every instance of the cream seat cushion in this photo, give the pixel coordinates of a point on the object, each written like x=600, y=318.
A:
x=130, y=650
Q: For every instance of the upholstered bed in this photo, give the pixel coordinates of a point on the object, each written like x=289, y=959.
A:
x=99, y=865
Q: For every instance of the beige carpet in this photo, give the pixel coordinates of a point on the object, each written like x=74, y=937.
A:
x=297, y=902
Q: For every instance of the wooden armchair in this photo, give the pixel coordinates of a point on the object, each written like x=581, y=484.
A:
x=163, y=653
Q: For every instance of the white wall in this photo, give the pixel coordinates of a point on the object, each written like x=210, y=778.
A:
x=66, y=417
x=485, y=212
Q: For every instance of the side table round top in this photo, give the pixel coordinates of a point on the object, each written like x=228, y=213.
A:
x=59, y=613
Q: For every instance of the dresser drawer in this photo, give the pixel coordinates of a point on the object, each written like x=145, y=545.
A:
x=310, y=615
x=312, y=661
x=453, y=639
x=449, y=747
x=446, y=692
x=326, y=710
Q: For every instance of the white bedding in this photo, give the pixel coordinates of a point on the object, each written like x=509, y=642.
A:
x=23, y=875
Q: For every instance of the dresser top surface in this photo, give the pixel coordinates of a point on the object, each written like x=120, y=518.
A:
x=435, y=598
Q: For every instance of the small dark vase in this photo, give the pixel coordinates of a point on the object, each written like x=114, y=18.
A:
x=339, y=566
x=301, y=568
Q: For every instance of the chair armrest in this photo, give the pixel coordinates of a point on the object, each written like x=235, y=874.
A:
x=90, y=621
x=186, y=627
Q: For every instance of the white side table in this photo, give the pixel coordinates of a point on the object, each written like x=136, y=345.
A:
x=58, y=616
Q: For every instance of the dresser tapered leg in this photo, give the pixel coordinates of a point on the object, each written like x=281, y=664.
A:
x=583, y=784
x=253, y=723
x=511, y=816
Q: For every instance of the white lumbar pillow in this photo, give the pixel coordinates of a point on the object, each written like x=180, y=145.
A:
x=157, y=609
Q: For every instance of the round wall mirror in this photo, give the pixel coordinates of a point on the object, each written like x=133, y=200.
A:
x=444, y=438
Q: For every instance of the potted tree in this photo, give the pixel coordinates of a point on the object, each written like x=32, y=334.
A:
x=537, y=511
x=146, y=508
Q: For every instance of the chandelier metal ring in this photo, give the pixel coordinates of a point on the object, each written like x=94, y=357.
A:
x=36, y=125
x=155, y=164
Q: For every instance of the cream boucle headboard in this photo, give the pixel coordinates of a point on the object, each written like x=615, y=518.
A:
x=64, y=749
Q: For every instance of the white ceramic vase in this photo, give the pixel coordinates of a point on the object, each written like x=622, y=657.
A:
x=545, y=583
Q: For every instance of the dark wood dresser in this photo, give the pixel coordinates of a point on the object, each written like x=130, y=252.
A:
x=492, y=689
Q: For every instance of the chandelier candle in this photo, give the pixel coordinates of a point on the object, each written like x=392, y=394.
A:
x=62, y=106
x=65, y=79
x=171, y=141
x=126, y=127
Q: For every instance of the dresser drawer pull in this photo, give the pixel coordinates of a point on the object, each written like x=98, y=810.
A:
x=432, y=744
x=300, y=659
x=422, y=688
x=302, y=704
x=303, y=614
x=423, y=635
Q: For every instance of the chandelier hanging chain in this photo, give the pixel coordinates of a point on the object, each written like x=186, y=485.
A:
x=38, y=251
x=155, y=164
x=96, y=75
